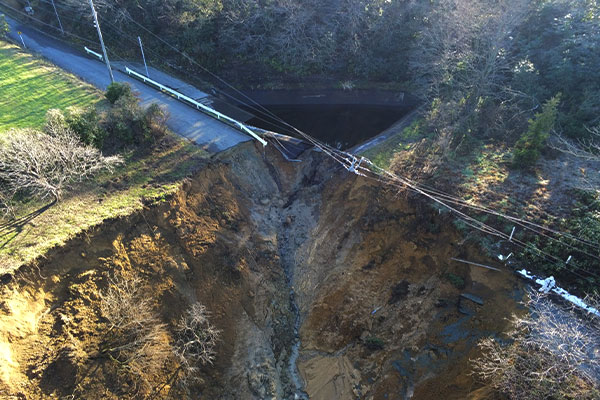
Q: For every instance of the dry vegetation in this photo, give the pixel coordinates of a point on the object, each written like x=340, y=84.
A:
x=551, y=354
x=40, y=165
x=136, y=340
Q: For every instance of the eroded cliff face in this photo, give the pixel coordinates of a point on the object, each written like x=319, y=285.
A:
x=275, y=251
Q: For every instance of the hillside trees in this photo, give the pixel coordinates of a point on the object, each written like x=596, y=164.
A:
x=463, y=60
x=559, y=44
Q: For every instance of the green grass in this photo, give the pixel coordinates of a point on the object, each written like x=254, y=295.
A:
x=383, y=153
x=142, y=180
x=30, y=87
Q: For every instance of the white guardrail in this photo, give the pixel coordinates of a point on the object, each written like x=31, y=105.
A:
x=92, y=52
x=201, y=107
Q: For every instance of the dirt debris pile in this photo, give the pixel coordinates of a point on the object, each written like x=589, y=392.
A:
x=276, y=252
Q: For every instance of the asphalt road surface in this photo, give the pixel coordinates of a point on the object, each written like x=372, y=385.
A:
x=207, y=132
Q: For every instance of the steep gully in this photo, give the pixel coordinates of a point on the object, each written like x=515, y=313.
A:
x=323, y=285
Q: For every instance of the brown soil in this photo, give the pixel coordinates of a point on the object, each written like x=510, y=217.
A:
x=367, y=267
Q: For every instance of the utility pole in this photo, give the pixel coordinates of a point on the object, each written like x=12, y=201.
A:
x=22, y=41
x=95, y=15
x=58, y=18
x=143, y=57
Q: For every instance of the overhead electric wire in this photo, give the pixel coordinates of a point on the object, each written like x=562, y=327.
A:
x=47, y=24
x=446, y=200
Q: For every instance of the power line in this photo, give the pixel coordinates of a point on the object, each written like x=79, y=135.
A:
x=348, y=160
x=46, y=24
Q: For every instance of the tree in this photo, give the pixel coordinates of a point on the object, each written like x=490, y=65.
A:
x=43, y=164
x=586, y=149
x=552, y=354
x=527, y=149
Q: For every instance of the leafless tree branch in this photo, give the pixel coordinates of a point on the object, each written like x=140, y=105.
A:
x=45, y=164
x=586, y=149
x=553, y=353
x=196, y=339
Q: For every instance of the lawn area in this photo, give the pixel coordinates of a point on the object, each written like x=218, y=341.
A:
x=30, y=86
x=39, y=227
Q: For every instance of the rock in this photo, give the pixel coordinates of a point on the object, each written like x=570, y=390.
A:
x=399, y=292
x=265, y=201
x=440, y=303
x=469, y=307
x=473, y=298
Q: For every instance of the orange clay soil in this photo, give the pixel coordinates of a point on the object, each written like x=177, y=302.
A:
x=379, y=317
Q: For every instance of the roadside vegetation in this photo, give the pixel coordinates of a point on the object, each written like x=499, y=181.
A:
x=138, y=161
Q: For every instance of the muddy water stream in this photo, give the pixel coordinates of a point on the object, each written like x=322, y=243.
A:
x=299, y=394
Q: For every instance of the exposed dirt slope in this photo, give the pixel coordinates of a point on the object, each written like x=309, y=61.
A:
x=379, y=318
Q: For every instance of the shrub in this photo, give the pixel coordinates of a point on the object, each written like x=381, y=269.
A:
x=551, y=355
x=4, y=28
x=116, y=91
x=455, y=280
x=84, y=123
x=137, y=340
x=155, y=124
x=374, y=343
x=127, y=123
x=196, y=339
x=528, y=147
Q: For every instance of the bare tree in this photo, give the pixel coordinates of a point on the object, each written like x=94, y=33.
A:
x=553, y=353
x=42, y=164
x=196, y=339
x=586, y=149
x=137, y=340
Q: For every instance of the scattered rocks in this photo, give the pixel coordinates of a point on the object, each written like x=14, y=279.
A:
x=468, y=304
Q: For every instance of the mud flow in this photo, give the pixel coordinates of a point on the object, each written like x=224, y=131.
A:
x=322, y=285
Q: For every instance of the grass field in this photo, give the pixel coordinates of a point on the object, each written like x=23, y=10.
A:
x=30, y=86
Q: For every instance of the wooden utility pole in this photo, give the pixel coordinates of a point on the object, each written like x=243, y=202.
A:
x=95, y=15
x=58, y=18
